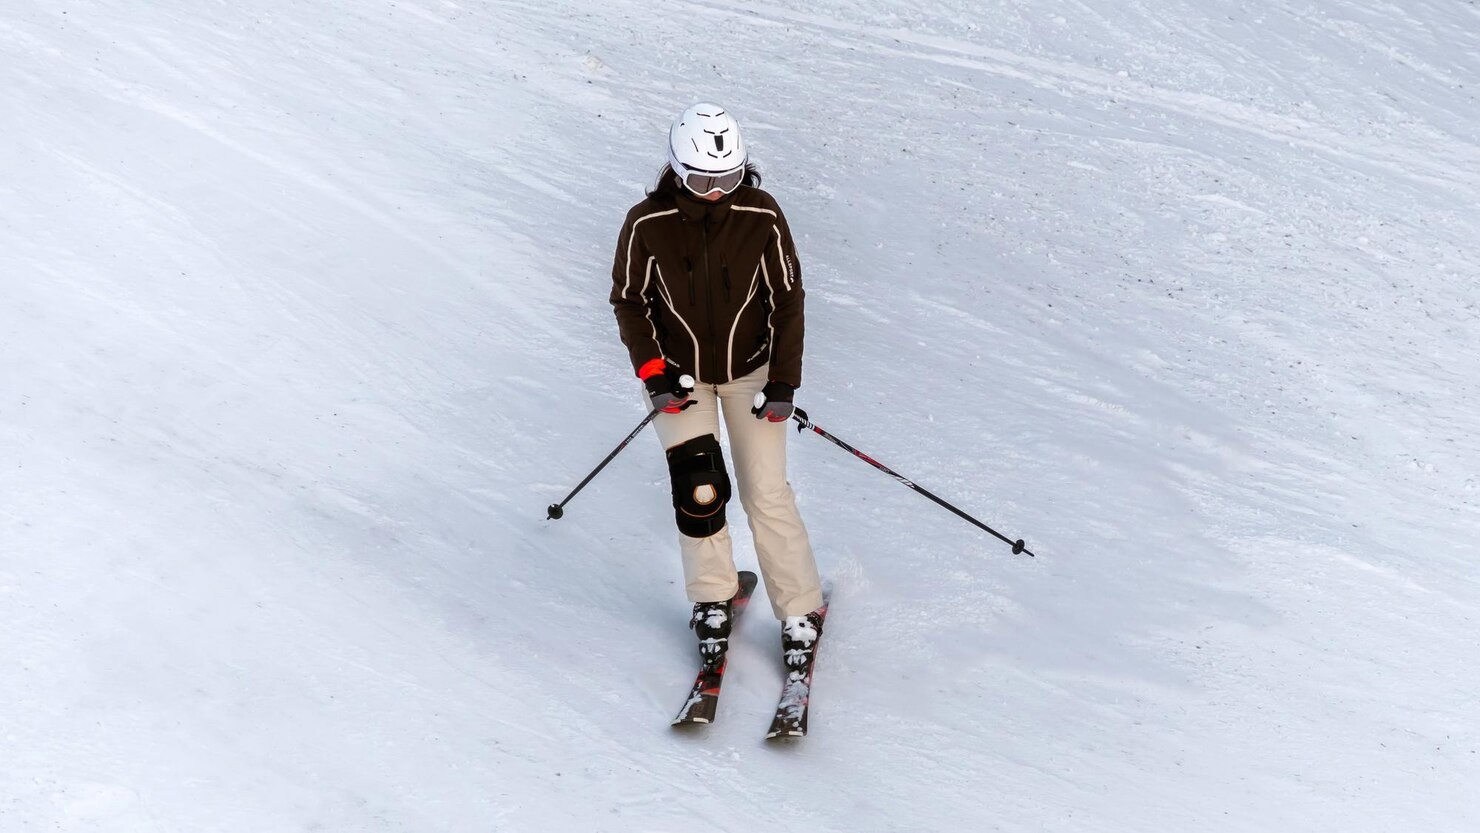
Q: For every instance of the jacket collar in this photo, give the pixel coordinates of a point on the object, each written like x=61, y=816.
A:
x=696, y=209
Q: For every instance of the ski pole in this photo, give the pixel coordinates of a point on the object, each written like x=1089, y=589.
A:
x=556, y=511
x=803, y=422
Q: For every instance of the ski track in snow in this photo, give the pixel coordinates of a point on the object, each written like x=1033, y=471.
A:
x=1436, y=167
x=303, y=322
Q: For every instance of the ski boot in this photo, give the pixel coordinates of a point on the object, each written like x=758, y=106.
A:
x=711, y=623
x=799, y=639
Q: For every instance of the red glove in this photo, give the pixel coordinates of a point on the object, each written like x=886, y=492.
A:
x=667, y=387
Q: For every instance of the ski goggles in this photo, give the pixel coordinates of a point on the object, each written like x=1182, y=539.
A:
x=705, y=182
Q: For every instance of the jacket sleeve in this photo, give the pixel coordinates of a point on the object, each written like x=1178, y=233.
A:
x=631, y=282
x=784, y=284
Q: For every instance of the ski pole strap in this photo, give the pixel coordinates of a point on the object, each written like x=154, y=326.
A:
x=804, y=422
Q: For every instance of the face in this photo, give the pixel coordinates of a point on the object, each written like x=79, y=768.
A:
x=714, y=196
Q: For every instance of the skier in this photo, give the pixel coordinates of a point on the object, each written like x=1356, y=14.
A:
x=706, y=283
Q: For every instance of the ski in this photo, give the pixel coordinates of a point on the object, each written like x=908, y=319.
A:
x=791, y=711
x=703, y=699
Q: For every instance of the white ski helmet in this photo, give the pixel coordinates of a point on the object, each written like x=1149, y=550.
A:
x=704, y=144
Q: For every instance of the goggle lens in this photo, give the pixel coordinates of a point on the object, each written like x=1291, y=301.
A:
x=702, y=183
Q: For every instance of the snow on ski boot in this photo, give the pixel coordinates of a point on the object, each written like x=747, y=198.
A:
x=799, y=638
x=711, y=623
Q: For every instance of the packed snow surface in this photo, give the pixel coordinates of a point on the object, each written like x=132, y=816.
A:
x=303, y=324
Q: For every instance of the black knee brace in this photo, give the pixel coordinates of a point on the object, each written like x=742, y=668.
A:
x=700, y=486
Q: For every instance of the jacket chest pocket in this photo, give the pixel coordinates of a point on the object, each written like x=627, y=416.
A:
x=676, y=284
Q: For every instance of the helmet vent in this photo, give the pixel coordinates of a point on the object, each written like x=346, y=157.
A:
x=719, y=143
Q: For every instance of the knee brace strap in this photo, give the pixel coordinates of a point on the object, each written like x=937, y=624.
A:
x=701, y=487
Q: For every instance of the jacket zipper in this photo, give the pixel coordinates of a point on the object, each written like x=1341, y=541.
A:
x=709, y=296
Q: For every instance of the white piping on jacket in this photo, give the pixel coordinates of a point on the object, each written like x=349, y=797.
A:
x=647, y=277
x=730, y=354
x=668, y=299
x=627, y=271
x=786, y=279
x=771, y=299
x=753, y=208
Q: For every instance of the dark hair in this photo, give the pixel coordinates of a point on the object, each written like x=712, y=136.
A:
x=669, y=186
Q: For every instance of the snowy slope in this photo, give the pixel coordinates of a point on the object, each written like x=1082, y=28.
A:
x=303, y=323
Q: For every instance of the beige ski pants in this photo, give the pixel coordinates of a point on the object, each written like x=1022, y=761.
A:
x=757, y=462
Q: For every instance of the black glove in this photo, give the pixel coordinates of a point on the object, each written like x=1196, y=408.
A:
x=773, y=403
x=670, y=389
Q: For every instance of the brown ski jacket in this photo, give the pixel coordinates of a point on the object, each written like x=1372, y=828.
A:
x=713, y=287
